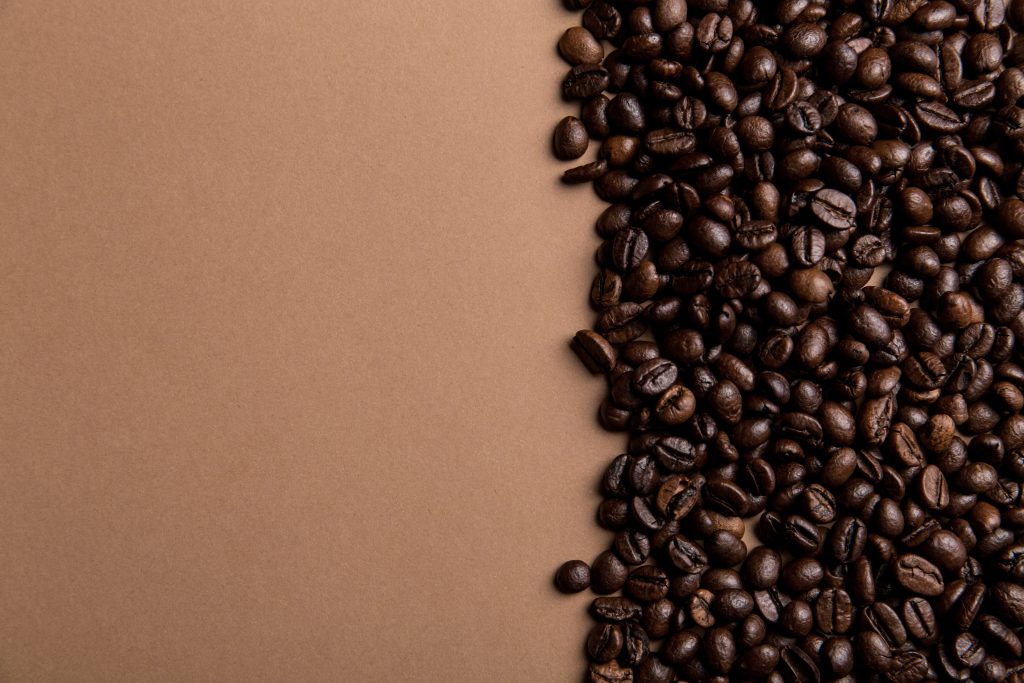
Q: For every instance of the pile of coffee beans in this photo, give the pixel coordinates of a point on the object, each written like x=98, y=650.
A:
x=809, y=291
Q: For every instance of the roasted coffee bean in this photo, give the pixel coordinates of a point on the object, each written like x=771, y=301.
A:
x=719, y=649
x=732, y=604
x=884, y=620
x=725, y=549
x=686, y=556
x=570, y=139
x=918, y=575
x=585, y=81
x=796, y=665
x=607, y=573
x=578, y=46
x=934, y=491
x=834, y=209
x=1007, y=599
x=833, y=611
x=615, y=610
x=647, y=583
x=573, y=577
x=762, y=567
x=604, y=643
x=967, y=650
x=920, y=621
x=633, y=547
x=678, y=495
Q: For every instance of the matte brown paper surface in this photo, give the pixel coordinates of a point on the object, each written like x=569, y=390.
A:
x=285, y=392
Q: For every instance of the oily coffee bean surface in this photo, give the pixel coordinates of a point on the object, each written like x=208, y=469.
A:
x=809, y=288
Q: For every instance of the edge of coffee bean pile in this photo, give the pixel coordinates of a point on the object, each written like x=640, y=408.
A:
x=806, y=307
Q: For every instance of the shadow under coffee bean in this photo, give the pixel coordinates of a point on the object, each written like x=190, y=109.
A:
x=810, y=286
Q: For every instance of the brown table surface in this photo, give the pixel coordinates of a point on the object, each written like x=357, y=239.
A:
x=285, y=288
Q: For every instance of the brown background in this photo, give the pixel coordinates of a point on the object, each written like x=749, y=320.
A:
x=284, y=391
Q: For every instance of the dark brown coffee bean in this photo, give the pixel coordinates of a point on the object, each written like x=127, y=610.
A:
x=686, y=556
x=939, y=118
x=834, y=209
x=719, y=649
x=647, y=584
x=585, y=81
x=874, y=651
x=919, y=618
x=989, y=14
x=796, y=665
x=604, y=643
x=762, y=567
x=967, y=650
x=615, y=610
x=833, y=611
x=602, y=20
x=594, y=350
x=725, y=549
x=570, y=139
x=578, y=46
x=609, y=672
x=884, y=620
x=759, y=660
x=918, y=575
x=573, y=577
x=933, y=488
x=607, y=573
x=732, y=605
x=679, y=494
x=1008, y=599
x=636, y=644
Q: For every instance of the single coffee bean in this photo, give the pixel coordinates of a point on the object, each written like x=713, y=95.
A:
x=604, y=643
x=647, y=584
x=578, y=46
x=918, y=575
x=834, y=209
x=762, y=567
x=920, y=620
x=585, y=81
x=607, y=573
x=573, y=577
x=615, y=610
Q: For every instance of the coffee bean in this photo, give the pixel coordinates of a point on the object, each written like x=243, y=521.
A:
x=884, y=620
x=573, y=577
x=725, y=549
x=585, y=81
x=762, y=567
x=796, y=665
x=719, y=649
x=1007, y=598
x=609, y=672
x=647, y=584
x=918, y=575
x=607, y=573
x=967, y=650
x=578, y=46
x=834, y=209
x=833, y=611
x=594, y=350
x=934, y=490
x=604, y=643
x=732, y=605
x=678, y=495
x=615, y=610
x=686, y=556
x=920, y=621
